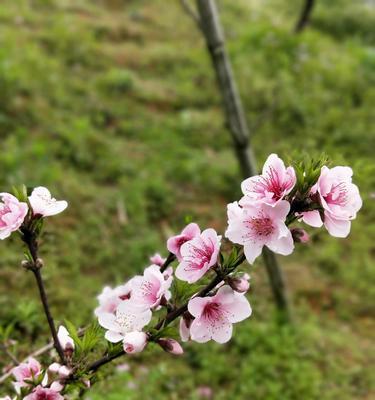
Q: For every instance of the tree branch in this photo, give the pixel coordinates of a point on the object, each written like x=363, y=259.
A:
x=171, y=257
x=30, y=240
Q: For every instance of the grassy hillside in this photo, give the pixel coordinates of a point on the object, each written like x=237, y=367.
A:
x=113, y=105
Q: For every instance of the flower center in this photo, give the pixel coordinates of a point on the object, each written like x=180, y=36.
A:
x=271, y=183
x=149, y=290
x=199, y=256
x=125, y=321
x=259, y=228
x=47, y=199
x=338, y=194
x=212, y=311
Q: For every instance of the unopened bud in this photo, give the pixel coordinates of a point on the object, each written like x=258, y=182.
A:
x=39, y=263
x=26, y=264
x=171, y=346
x=300, y=235
x=239, y=284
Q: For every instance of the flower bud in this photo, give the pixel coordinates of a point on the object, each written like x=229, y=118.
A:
x=171, y=346
x=239, y=284
x=54, y=368
x=26, y=264
x=300, y=235
x=134, y=342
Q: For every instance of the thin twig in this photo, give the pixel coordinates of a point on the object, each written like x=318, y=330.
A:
x=190, y=11
x=36, y=353
x=30, y=240
x=9, y=353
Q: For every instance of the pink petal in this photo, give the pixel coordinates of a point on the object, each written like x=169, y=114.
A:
x=336, y=227
x=252, y=250
x=312, y=218
x=196, y=305
x=283, y=245
x=113, y=337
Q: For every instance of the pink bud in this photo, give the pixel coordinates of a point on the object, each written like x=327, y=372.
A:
x=157, y=259
x=64, y=372
x=171, y=346
x=87, y=383
x=66, y=342
x=240, y=284
x=54, y=368
x=300, y=235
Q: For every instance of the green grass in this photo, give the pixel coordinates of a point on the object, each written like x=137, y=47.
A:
x=113, y=105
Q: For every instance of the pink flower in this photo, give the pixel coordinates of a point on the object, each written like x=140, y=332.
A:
x=157, y=259
x=215, y=315
x=148, y=290
x=12, y=214
x=205, y=392
x=41, y=393
x=171, y=346
x=110, y=298
x=44, y=204
x=198, y=256
x=129, y=317
x=134, y=342
x=257, y=225
x=273, y=185
x=67, y=343
x=26, y=371
x=175, y=242
x=339, y=198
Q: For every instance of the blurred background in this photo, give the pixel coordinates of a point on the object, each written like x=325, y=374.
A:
x=113, y=105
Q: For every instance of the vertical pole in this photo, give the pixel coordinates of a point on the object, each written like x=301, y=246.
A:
x=211, y=27
x=305, y=15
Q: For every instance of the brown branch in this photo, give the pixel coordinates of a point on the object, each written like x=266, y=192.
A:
x=171, y=257
x=30, y=239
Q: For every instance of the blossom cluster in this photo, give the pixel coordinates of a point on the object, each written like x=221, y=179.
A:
x=261, y=215
x=260, y=218
x=270, y=203
x=32, y=382
x=13, y=212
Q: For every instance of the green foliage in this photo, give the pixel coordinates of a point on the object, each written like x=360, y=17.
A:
x=86, y=342
x=307, y=173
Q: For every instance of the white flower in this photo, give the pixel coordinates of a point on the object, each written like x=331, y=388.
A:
x=44, y=204
x=129, y=317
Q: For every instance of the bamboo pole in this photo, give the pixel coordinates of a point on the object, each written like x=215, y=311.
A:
x=210, y=25
x=304, y=18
